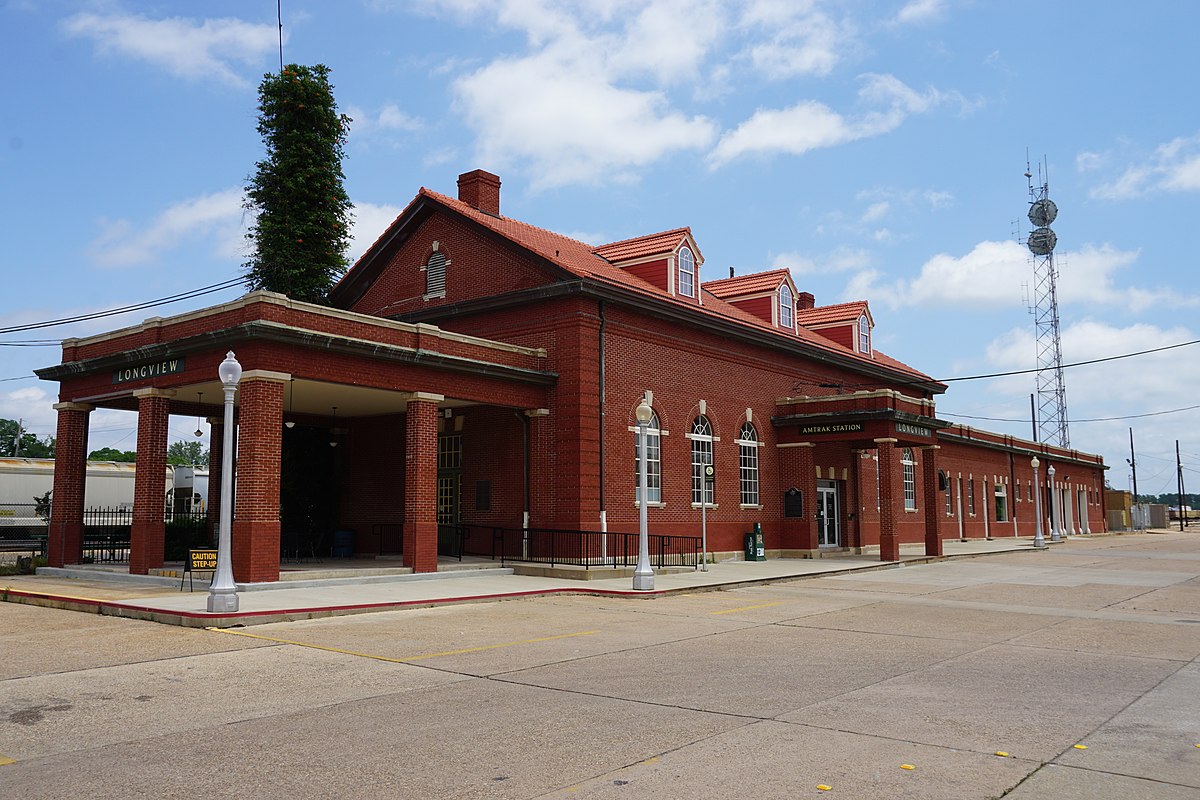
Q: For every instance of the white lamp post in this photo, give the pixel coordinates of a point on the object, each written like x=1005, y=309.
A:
x=222, y=593
x=1039, y=540
x=643, y=575
x=1055, y=531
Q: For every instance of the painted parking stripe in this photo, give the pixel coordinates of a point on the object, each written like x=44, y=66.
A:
x=5, y=760
x=747, y=608
x=407, y=659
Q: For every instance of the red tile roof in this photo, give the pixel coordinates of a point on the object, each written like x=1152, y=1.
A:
x=824, y=315
x=652, y=245
x=583, y=261
x=741, y=285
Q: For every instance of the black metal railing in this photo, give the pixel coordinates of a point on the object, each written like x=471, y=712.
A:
x=106, y=530
x=591, y=549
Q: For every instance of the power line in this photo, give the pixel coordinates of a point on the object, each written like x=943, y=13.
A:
x=1075, y=364
x=216, y=287
x=1094, y=419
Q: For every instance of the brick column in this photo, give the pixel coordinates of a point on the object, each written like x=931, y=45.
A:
x=929, y=497
x=216, y=447
x=889, y=541
x=798, y=469
x=146, y=538
x=256, y=496
x=420, y=482
x=64, y=542
x=540, y=474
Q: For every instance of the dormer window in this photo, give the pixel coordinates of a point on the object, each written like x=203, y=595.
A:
x=787, y=317
x=864, y=335
x=687, y=273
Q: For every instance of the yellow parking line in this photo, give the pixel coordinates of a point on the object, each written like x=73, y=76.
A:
x=5, y=760
x=409, y=658
x=748, y=608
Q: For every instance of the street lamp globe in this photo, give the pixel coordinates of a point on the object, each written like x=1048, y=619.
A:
x=230, y=371
x=643, y=412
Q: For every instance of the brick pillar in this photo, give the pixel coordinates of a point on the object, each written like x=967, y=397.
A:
x=798, y=469
x=540, y=474
x=420, y=482
x=854, y=501
x=889, y=541
x=929, y=498
x=216, y=447
x=64, y=542
x=256, y=497
x=147, y=535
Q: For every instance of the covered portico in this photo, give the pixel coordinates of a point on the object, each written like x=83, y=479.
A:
x=373, y=393
x=857, y=441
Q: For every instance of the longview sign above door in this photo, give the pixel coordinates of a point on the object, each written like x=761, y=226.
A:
x=168, y=366
x=840, y=427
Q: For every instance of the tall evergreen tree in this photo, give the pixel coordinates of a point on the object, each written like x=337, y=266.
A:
x=301, y=231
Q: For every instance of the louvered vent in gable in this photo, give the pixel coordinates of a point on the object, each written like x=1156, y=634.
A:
x=435, y=275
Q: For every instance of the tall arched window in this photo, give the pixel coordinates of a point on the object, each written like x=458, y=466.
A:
x=702, y=456
x=910, y=479
x=864, y=335
x=435, y=275
x=653, y=462
x=787, y=317
x=748, y=464
x=687, y=273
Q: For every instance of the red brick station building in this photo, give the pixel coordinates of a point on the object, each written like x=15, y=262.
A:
x=477, y=371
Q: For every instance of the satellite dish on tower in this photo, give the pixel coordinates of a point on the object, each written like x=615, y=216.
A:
x=1041, y=241
x=1042, y=212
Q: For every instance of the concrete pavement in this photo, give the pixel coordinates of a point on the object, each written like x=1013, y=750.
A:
x=353, y=591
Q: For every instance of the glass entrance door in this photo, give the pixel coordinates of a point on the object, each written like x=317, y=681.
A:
x=828, y=522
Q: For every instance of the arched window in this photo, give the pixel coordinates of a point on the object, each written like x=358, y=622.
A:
x=653, y=462
x=435, y=275
x=702, y=456
x=864, y=335
x=687, y=273
x=910, y=479
x=787, y=318
x=748, y=462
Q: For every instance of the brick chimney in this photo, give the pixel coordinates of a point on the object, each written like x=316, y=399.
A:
x=481, y=190
x=805, y=301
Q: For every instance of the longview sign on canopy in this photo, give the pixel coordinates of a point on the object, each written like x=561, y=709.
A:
x=139, y=372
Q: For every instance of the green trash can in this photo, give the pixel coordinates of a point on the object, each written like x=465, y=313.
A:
x=753, y=544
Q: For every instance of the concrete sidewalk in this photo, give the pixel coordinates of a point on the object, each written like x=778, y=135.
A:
x=160, y=600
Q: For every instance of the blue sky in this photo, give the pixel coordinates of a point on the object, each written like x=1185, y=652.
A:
x=876, y=149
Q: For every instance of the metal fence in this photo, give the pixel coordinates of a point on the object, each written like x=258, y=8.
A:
x=587, y=549
x=106, y=530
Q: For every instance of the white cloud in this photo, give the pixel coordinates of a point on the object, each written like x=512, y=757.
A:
x=387, y=118
x=993, y=273
x=841, y=259
x=920, y=11
x=187, y=48
x=803, y=41
x=876, y=211
x=217, y=217
x=569, y=123
x=370, y=221
x=811, y=125
x=1173, y=167
x=1087, y=161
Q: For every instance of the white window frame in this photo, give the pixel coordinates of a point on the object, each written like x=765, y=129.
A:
x=949, y=497
x=1000, y=492
x=864, y=335
x=653, y=462
x=748, y=445
x=702, y=455
x=787, y=307
x=971, y=496
x=687, y=288
x=910, y=479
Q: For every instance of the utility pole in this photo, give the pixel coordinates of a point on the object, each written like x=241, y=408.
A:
x=17, y=441
x=1179, y=473
x=1133, y=466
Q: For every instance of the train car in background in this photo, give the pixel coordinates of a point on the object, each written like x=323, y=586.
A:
x=109, y=485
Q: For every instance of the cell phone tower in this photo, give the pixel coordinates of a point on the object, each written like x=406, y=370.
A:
x=1051, y=422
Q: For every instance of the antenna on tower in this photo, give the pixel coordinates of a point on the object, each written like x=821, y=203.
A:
x=1051, y=391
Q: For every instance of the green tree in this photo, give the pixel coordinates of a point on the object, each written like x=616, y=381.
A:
x=301, y=230
x=187, y=453
x=15, y=441
x=112, y=454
